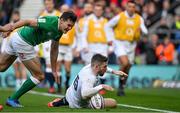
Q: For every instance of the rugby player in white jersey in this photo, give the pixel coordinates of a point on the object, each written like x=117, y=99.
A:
x=86, y=85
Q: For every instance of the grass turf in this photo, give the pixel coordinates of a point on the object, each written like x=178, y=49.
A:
x=164, y=99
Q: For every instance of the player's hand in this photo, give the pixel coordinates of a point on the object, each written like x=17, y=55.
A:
x=120, y=73
x=56, y=77
x=5, y=34
x=8, y=27
x=107, y=87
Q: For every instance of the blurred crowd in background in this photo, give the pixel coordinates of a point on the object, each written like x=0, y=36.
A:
x=160, y=46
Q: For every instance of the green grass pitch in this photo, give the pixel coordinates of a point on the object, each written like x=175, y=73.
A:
x=152, y=99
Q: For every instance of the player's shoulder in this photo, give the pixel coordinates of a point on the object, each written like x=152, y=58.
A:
x=85, y=72
x=48, y=19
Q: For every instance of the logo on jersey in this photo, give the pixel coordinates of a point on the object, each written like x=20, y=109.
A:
x=41, y=20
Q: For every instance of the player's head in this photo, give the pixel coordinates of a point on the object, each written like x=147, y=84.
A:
x=67, y=21
x=99, y=64
x=64, y=8
x=131, y=7
x=49, y=5
x=15, y=16
x=98, y=10
x=88, y=9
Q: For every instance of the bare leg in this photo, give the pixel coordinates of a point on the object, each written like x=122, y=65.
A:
x=34, y=67
x=5, y=61
x=110, y=103
x=67, y=65
x=125, y=67
x=59, y=65
x=17, y=75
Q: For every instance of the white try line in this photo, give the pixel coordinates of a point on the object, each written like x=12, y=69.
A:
x=123, y=105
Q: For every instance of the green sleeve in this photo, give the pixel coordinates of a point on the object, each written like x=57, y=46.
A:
x=43, y=22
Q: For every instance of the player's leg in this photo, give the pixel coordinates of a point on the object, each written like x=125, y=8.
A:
x=6, y=60
x=23, y=73
x=17, y=74
x=67, y=65
x=121, y=53
x=58, y=102
x=49, y=76
x=34, y=67
x=59, y=65
x=110, y=103
x=125, y=67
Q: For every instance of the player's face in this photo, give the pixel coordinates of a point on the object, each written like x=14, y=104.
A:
x=98, y=11
x=49, y=5
x=131, y=8
x=88, y=8
x=15, y=17
x=66, y=25
x=102, y=68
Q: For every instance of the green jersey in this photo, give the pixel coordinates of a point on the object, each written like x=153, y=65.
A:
x=47, y=29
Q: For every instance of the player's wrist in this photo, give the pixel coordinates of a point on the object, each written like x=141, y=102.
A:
x=99, y=87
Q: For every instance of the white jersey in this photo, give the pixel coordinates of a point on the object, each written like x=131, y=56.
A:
x=85, y=79
x=85, y=85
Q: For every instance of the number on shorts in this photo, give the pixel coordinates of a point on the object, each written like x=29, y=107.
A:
x=76, y=83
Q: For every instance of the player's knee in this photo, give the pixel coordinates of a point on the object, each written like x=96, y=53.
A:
x=126, y=64
x=40, y=76
x=114, y=103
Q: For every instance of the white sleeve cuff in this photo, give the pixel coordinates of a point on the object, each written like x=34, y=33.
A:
x=109, y=70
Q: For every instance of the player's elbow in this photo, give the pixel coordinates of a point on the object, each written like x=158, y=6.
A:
x=84, y=94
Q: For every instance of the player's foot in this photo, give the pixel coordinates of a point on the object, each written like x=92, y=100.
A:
x=1, y=107
x=120, y=93
x=13, y=103
x=51, y=90
x=50, y=104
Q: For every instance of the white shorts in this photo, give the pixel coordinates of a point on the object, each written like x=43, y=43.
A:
x=3, y=44
x=65, y=53
x=125, y=48
x=18, y=47
x=94, y=49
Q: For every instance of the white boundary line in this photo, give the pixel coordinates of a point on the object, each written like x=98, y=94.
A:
x=123, y=105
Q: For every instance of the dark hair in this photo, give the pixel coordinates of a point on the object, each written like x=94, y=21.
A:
x=69, y=15
x=98, y=59
x=49, y=0
x=131, y=1
x=16, y=12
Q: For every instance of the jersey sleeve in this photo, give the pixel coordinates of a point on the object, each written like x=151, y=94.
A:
x=43, y=22
x=88, y=90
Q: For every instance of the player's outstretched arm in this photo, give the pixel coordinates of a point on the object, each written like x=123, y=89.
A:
x=116, y=72
x=27, y=22
x=53, y=55
x=7, y=27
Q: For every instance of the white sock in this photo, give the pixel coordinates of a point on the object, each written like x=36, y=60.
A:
x=34, y=80
x=18, y=83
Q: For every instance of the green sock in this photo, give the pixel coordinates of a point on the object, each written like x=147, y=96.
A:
x=28, y=85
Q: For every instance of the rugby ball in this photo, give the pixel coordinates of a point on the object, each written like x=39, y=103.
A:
x=97, y=102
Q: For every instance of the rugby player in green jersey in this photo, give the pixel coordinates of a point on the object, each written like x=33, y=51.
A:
x=21, y=44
